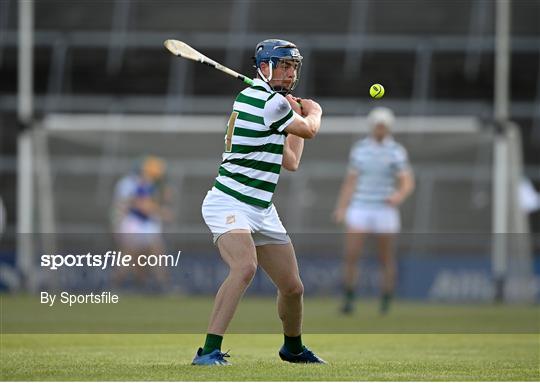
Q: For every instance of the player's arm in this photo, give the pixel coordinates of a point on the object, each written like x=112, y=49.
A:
x=292, y=152
x=345, y=195
x=307, y=123
x=146, y=204
x=294, y=145
x=405, y=186
x=165, y=201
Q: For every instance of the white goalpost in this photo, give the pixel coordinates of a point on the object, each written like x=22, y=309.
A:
x=80, y=156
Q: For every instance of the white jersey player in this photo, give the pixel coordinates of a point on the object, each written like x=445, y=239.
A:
x=378, y=180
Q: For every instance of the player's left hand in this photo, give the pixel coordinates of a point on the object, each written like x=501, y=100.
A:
x=395, y=199
x=296, y=104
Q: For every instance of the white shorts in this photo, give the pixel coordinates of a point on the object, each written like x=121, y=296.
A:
x=136, y=232
x=223, y=213
x=374, y=219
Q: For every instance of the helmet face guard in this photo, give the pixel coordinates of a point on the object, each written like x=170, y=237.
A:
x=272, y=52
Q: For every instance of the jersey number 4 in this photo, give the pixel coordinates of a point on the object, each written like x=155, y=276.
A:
x=230, y=132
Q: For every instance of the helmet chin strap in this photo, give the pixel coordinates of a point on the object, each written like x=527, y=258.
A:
x=281, y=89
x=259, y=71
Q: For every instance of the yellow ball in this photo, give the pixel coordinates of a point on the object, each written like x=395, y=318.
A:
x=376, y=91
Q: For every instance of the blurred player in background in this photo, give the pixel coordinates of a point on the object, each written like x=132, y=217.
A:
x=378, y=180
x=266, y=130
x=140, y=207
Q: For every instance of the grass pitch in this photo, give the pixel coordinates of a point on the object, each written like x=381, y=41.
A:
x=187, y=314
x=137, y=357
x=435, y=342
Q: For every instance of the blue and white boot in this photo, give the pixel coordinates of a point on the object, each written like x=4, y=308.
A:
x=215, y=358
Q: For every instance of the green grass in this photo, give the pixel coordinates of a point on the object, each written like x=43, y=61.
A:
x=393, y=357
x=177, y=314
x=155, y=338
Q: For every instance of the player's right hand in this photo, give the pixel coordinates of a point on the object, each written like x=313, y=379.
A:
x=310, y=106
x=296, y=104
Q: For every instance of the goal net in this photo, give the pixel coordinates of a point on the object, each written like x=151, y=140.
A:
x=73, y=163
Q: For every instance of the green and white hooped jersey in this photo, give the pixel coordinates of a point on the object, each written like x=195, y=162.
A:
x=254, y=142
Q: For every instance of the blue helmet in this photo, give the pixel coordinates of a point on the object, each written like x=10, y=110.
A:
x=272, y=51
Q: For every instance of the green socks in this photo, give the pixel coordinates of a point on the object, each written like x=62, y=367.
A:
x=213, y=342
x=294, y=344
x=349, y=295
x=385, y=302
